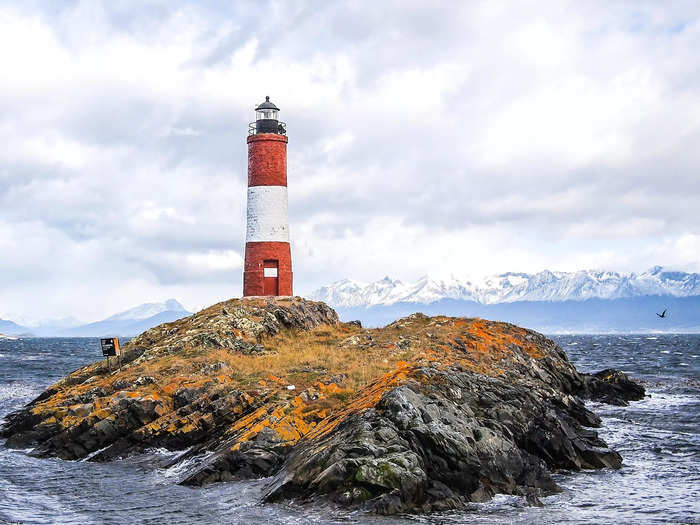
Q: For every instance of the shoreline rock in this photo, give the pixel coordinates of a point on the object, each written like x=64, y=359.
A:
x=426, y=414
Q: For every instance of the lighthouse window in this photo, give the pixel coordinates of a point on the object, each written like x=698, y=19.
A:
x=267, y=114
x=270, y=272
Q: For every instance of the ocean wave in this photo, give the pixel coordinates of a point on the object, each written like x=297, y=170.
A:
x=17, y=390
x=663, y=400
x=178, y=470
x=31, y=358
x=93, y=454
x=165, y=453
x=19, y=505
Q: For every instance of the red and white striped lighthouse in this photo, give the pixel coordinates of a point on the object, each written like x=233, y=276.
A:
x=268, y=259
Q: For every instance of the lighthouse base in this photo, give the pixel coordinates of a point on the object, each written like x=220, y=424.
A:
x=268, y=269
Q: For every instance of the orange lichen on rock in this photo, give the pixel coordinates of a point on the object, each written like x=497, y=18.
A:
x=489, y=340
x=290, y=421
x=366, y=398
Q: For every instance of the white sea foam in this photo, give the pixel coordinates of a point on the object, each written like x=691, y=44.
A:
x=179, y=469
x=165, y=453
x=659, y=400
x=93, y=454
x=16, y=391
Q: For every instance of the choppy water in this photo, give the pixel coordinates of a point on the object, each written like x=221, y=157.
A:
x=658, y=437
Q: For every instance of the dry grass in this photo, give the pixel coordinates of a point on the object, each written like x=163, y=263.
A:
x=302, y=358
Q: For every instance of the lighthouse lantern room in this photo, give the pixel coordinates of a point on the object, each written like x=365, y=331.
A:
x=268, y=261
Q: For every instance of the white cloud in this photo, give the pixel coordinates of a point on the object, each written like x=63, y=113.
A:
x=457, y=138
x=214, y=261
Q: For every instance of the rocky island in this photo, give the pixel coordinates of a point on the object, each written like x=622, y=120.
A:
x=427, y=413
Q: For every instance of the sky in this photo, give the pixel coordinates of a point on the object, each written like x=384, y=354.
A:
x=447, y=137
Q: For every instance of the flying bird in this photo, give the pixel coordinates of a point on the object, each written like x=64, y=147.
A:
x=662, y=314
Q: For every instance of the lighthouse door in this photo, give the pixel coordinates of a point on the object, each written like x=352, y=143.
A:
x=271, y=283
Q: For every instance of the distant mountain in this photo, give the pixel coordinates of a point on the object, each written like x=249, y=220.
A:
x=43, y=325
x=11, y=328
x=127, y=323
x=144, y=311
x=132, y=321
x=584, y=301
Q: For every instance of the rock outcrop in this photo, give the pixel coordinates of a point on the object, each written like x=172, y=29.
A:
x=428, y=413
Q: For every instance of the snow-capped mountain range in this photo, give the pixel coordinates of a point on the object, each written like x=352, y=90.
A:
x=513, y=287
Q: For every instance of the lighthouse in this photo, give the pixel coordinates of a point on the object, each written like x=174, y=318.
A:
x=268, y=259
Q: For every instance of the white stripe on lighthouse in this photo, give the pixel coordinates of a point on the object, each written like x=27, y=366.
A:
x=267, y=214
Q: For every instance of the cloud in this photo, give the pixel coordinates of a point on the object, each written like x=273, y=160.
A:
x=465, y=138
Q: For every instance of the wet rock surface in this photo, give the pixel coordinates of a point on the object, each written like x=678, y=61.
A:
x=612, y=387
x=428, y=413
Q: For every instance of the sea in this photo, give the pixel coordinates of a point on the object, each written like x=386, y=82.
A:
x=658, y=437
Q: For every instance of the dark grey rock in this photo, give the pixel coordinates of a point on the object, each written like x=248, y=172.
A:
x=612, y=387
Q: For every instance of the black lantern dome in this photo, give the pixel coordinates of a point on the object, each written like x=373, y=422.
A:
x=267, y=120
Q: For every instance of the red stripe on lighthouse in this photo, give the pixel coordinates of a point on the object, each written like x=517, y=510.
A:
x=267, y=160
